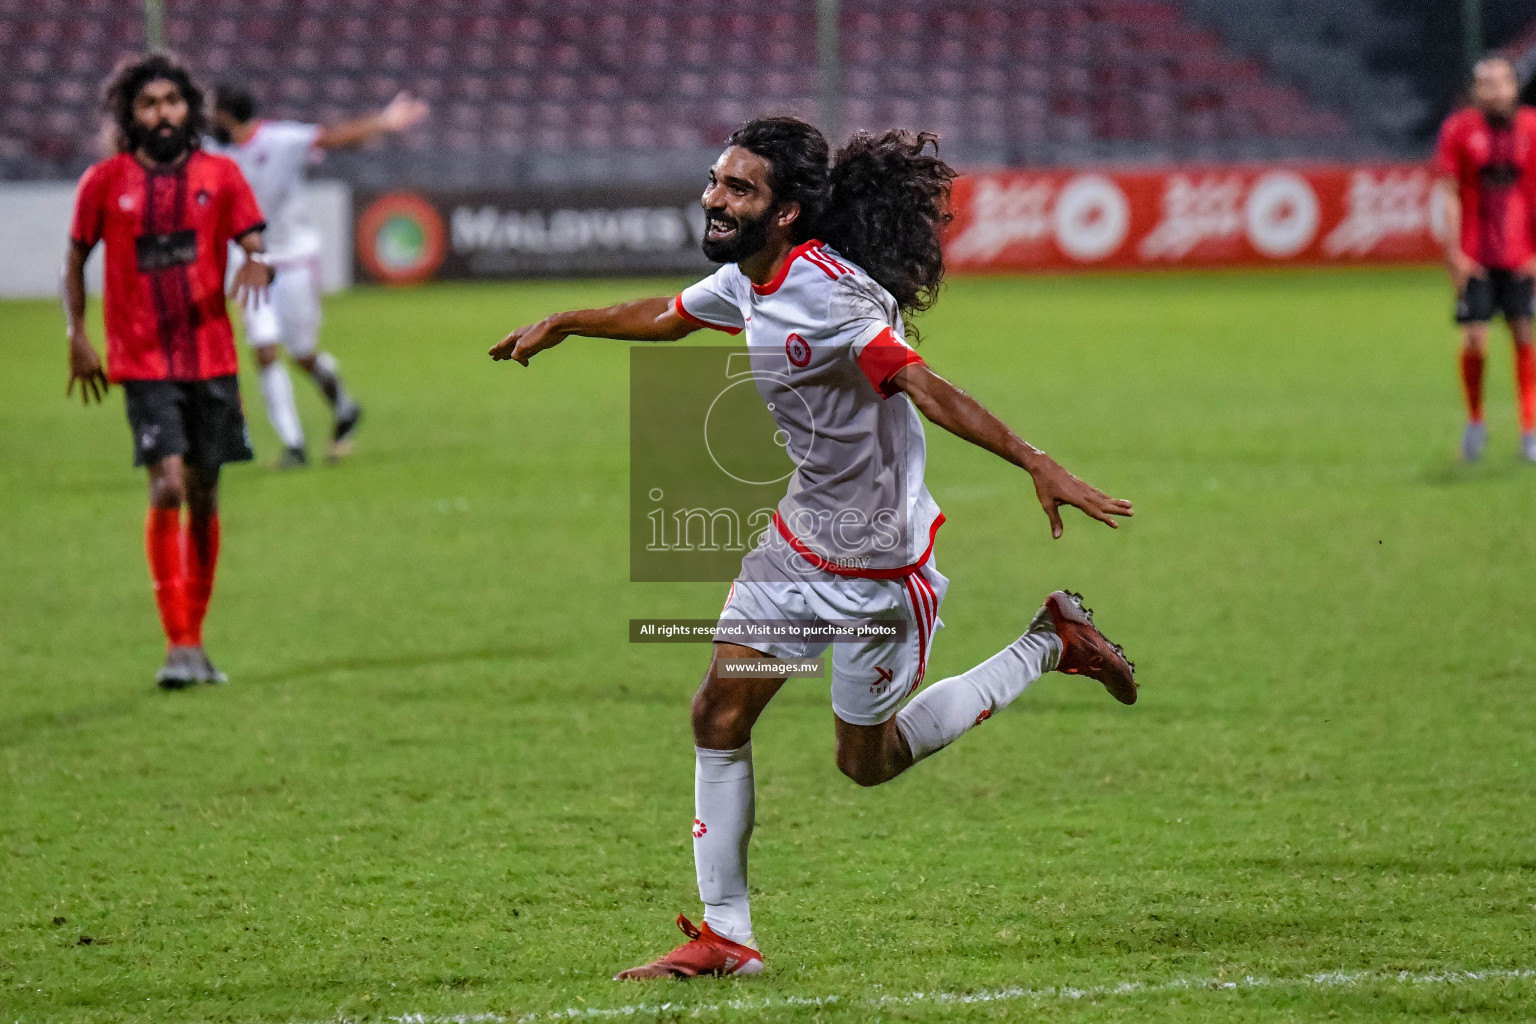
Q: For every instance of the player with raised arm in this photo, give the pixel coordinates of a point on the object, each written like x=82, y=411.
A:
x=1486, y=159
x=167, y=213
x=823, y=259
x=275, y=156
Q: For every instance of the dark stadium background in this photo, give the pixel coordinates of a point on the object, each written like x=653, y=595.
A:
x=594, y=91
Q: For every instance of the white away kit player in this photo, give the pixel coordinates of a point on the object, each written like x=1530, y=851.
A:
x=274, y=156
x=823, y=257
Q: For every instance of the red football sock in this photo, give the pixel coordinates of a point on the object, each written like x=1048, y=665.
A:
x=162, y=542
x=202, y=553
x=1525, y=377
x=1472, y=382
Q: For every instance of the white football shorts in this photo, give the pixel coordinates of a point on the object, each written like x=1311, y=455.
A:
x=870, y=680
x=291, y=314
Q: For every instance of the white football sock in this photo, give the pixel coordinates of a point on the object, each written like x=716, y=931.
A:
x=949, y=708
x=722, y=827
x=277, y=389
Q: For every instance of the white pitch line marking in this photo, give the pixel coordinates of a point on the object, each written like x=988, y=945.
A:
x=1330, y=979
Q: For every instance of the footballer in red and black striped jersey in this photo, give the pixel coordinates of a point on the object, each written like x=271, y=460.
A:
x=166, y=213
x=1486, y=159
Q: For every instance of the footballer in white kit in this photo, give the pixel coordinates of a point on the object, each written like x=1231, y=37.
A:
x=823, y=257
x=853, y=537
x=275, y=157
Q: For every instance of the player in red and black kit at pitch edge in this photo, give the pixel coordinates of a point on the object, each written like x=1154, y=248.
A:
x=1486, y=158
x=167, y=212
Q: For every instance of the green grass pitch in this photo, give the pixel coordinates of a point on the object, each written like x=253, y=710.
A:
x=441, y=782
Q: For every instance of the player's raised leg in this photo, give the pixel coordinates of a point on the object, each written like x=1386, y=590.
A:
x=326, y=373
x=724, y=711
x=1061, y=637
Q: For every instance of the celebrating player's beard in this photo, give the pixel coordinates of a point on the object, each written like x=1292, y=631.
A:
x=164, y=142
x=749, y=237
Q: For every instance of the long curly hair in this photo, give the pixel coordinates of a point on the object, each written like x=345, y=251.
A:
x=133, y=74
x=882, y=200
x=887, y=208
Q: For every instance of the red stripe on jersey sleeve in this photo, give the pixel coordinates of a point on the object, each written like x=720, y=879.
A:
x=839, y=267
x=882, y=357
x=677, y=307
x=822, y=263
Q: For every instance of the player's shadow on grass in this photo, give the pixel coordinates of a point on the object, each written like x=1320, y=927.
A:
x=420, y=659
x=14, y=731
x=1455, y=473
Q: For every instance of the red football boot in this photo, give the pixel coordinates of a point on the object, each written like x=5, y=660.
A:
x=704, y=953
x=1084, y=650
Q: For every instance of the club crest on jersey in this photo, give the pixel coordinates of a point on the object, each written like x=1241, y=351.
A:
x=125, y=203
x=202, y=197
x=798, y=350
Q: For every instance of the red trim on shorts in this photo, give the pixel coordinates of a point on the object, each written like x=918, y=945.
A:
x=882, y=357
x=677, y=307
x=933, y=610
x=864, y=574
x=917, y=617
x=925, y=609
x=933, y=622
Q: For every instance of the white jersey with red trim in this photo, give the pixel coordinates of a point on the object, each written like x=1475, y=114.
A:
x=274, y=161
x=825, y=340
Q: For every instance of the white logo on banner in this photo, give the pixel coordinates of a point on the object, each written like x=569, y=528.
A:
x=1092, y=218
x=1002, y=215
x=1396, y=203
x=1194, y=211
x=1282, y=214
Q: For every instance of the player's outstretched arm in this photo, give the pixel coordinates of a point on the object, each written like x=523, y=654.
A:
x=404, y=111
x=961, y=415
x=641, y=320
x=84, y=361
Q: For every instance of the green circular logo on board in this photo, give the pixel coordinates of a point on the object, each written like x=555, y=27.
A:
x=400, y=238
x=400, y=243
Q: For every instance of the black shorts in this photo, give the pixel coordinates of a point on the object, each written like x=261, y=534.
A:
x=200, y=420
x=1503, y=291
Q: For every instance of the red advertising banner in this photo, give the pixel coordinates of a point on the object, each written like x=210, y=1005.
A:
x=1194, y=217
